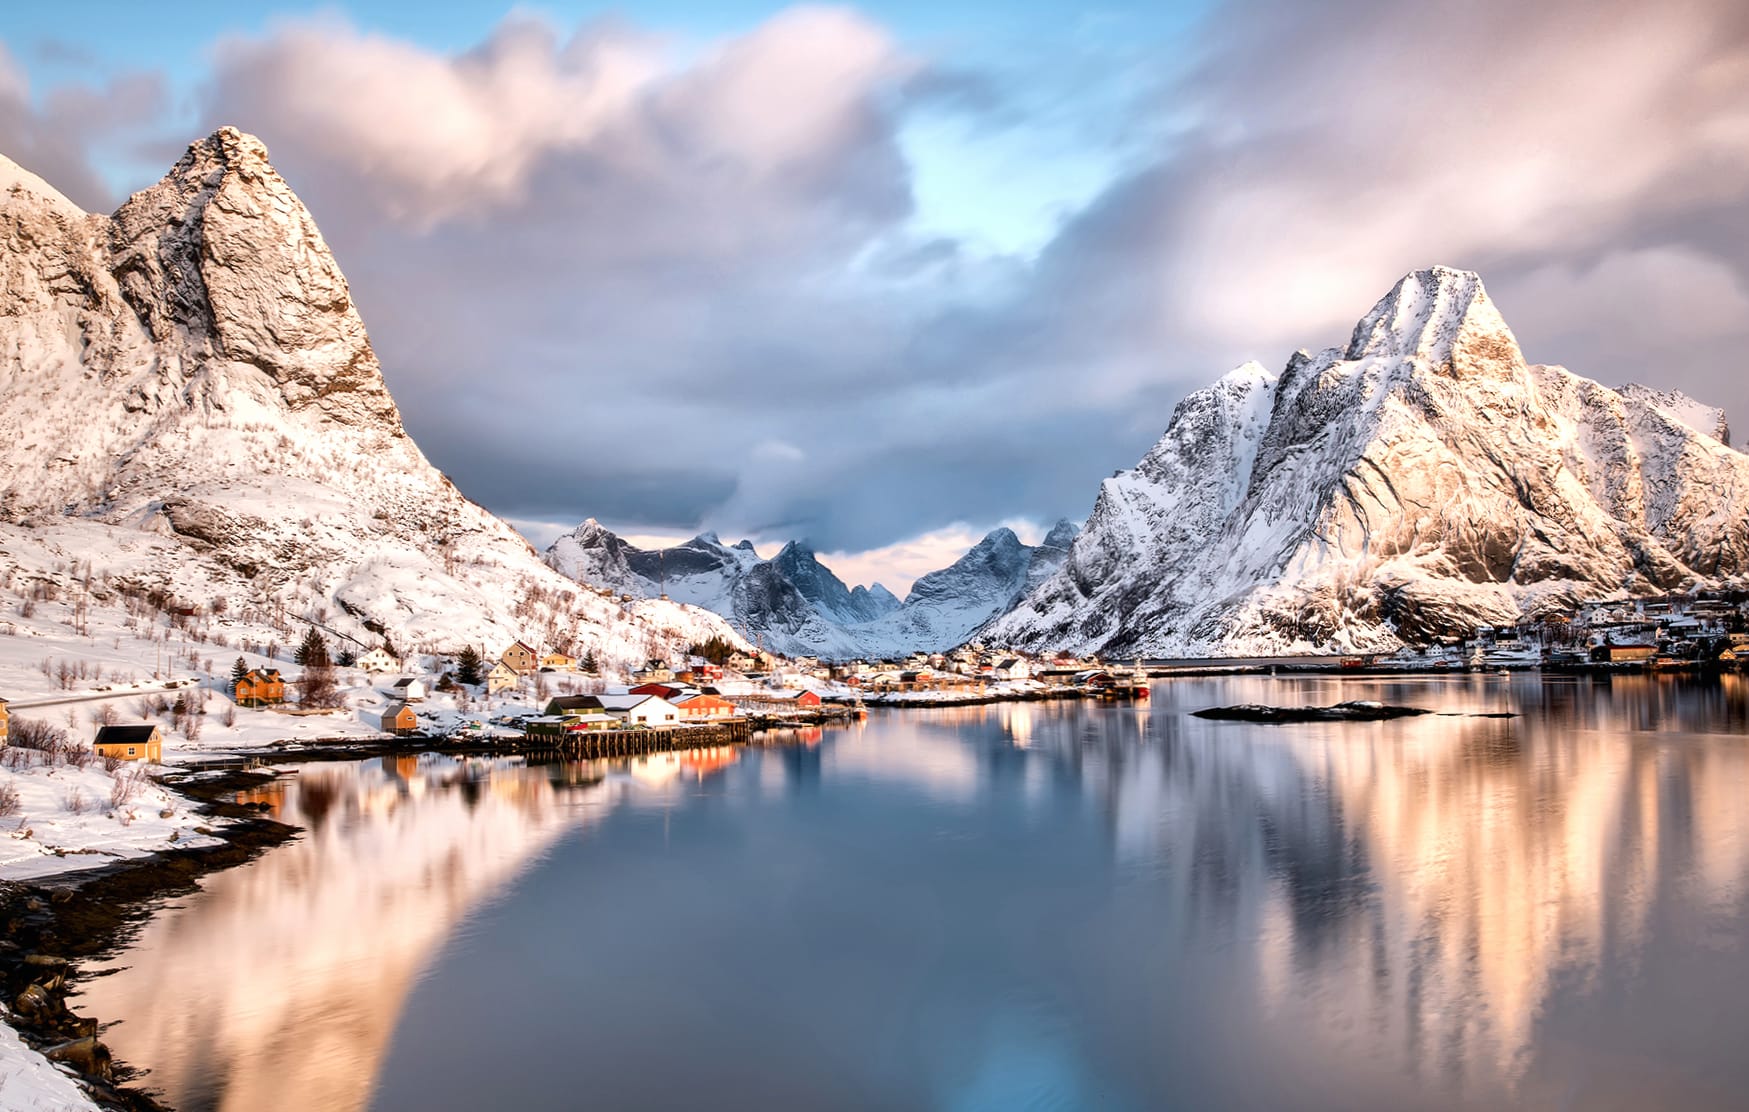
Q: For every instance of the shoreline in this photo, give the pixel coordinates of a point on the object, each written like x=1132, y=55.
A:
x=49, y=925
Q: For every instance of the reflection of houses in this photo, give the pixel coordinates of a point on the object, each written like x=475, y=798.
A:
x=400, y=720
x=520, y=659
x=702, y=762
x=260, y=687
x=501, y=678
x=410, y=689
x=130, y=743
x=378, y=660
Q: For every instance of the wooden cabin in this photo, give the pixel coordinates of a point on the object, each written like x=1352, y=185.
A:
x=400, y=720
x=558, y=662
x=573, y=704
x=144, y=742
x=260, y=687
x=408, y=690
x=703, y=708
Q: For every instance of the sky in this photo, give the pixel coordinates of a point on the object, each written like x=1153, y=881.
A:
x=883, y=277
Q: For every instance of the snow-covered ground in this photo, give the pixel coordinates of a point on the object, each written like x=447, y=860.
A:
x=31, y=1083
x=67, y=817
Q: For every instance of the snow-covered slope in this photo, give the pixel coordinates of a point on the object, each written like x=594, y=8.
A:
x=794, y=604
x=191, y=402
x=1422, y=480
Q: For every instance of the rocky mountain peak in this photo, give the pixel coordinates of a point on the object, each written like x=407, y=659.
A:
x=222, y=252
x=1062, y=534
x=1442, y=317
x=1708, y=420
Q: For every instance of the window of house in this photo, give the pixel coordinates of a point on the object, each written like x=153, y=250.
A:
x=130, y=750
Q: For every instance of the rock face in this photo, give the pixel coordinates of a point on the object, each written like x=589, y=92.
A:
x=794, y=604
x=1421, y=481
x=191, y=402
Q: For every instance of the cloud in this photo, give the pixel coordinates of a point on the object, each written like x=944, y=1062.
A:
x=56, y=135
x=686, y=286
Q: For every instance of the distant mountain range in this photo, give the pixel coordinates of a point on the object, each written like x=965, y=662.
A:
x=795, y=605
x=1421, y=481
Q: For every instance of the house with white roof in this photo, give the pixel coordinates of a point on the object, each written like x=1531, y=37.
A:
x=640, y=710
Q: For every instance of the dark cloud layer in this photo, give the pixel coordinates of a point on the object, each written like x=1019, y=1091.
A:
x=688, y=293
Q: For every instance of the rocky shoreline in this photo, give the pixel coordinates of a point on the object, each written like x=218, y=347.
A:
x=47, y=927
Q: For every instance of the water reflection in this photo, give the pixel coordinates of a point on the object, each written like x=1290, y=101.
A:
x=995, y=906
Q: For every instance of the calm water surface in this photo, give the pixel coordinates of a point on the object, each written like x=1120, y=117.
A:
x=1018, y=906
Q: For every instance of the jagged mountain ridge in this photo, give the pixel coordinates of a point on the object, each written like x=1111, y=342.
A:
x=794, y=604
x=1423, y=480
x=192, y=402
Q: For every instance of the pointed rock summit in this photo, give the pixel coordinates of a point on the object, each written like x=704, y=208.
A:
x=1416, y=484
x=191, y=403
x=223, y=252
x=1439, y=317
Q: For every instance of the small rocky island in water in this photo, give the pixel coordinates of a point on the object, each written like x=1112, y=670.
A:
x=1365, y=711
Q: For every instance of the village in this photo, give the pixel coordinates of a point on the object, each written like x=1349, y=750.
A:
x=525, y=692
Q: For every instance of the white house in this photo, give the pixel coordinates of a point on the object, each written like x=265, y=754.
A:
x=378, y=660
x=641, y=710
x=1011, y=668
x=500, y=678
x=409, y=690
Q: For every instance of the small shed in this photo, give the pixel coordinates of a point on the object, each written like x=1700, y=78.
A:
x=144, y=742
x=400, y=720
x=408, y=690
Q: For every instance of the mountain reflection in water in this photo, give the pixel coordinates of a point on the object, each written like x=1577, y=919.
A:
x=1045, y=904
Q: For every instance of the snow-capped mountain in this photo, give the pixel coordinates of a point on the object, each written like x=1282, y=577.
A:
x=192, y=406
x=794, y=604
x=1422, y=480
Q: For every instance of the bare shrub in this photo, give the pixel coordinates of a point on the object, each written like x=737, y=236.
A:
x=9, y=801
x=75, y=803
x=125, y=787
x=230, y=718
x=191, y=726
x=32, y=733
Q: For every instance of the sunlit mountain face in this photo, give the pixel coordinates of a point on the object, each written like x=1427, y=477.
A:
x=1117, y=906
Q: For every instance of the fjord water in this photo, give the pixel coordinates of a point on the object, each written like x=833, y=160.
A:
x=1051, y=905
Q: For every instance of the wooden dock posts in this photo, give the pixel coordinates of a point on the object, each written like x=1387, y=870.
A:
x=636, y=742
